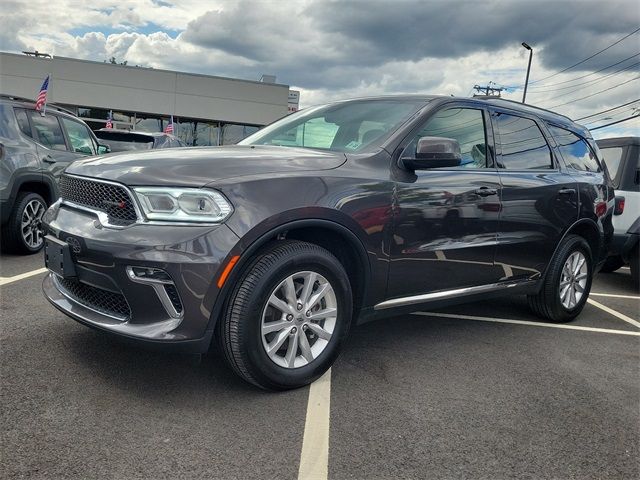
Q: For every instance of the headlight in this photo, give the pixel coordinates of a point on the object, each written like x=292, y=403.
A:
x=183, y=204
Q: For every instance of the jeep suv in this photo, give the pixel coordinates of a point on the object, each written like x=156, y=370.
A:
x=34, y=149
x=331, y=216
x=622, y=158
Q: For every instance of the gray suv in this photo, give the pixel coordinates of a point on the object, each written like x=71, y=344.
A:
x=34, y=149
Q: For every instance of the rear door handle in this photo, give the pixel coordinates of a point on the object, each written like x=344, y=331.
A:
x=566, y=191
x=486, y=191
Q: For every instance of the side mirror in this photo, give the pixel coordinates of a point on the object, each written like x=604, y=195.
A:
x=434, y=152
x=102, y=149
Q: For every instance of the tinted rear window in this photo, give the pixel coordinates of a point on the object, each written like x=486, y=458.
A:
x=612, y=158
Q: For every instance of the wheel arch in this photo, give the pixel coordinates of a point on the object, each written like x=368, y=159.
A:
x=329, y=234
x=585, y=228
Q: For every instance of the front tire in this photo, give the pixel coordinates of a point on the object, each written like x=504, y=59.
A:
x=288, y=316
x=23, y=232
x=566, y=285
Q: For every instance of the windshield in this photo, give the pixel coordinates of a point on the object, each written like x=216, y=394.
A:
x=342, y=127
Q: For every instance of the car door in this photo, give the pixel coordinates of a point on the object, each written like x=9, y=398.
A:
x=595, y=193
x=446, y=219
x=539, y=196
x=53, y=150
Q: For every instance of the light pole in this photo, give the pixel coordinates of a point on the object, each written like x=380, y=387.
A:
x=526, y=82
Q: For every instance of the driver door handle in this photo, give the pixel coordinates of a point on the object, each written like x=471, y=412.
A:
x=566, y=191
x=486, y=191
x=49, y=159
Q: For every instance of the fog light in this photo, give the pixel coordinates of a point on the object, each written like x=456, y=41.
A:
x=150, y=274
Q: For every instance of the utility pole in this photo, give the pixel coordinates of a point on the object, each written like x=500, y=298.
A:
x=488, y=90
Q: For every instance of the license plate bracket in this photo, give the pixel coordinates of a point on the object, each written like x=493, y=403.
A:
x=57, y=257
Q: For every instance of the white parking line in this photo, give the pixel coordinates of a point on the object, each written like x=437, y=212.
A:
x=613, y=295
x=524, y=322
x=314, y=458
x=615, y=313
x=15, y=278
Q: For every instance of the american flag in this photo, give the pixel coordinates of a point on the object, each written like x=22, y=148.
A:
x=169, y=128
x=110, y=120
x=41, y=101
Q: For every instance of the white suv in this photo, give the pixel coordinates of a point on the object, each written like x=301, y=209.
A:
x=622, y=157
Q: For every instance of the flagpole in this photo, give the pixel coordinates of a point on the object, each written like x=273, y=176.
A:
x=46, y=98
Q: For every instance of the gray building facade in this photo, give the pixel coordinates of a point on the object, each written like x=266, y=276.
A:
x=207, y=110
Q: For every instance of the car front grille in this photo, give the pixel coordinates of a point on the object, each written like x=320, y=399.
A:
x=111, y=199
x=102, y=301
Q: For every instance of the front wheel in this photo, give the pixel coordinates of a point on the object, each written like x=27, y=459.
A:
x=566, y=285
x=288, y=316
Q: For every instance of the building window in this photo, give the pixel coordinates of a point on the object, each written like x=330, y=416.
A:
x=232, y=134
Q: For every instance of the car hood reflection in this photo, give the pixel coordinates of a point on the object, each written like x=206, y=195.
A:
x=198, y=166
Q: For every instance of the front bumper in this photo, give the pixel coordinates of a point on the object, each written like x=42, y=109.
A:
x=104, y=296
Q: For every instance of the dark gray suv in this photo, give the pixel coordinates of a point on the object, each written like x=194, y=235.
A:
x=334, y=215
x=34, y=149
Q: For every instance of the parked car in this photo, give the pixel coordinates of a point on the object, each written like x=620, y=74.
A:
x=331, y=216
x=125, y=140
x=622, y=157
x=34, y=149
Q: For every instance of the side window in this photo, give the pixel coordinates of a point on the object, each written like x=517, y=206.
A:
x=466, y=125
x=23, y=121
x=523, y=145
x=575, y=151
x=79, y=137
x=48, y=131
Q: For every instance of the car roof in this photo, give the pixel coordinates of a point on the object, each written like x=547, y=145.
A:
x=618, y=141
x=548, y=115
x=30, y=104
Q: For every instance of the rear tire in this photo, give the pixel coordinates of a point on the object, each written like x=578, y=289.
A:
x=566, y=285
x=269, y=312
x=634, y=266
x=23, y=231
x=612, y=264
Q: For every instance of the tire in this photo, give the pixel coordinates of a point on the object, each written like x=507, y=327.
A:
x=634, y=266
x=251, y=306
x=30, y=240
x=548, y=303
x=612, y=264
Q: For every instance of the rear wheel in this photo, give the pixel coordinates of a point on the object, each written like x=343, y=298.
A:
x=634, y=265
x=288, y=316
x=23, y=232
x=567, y=283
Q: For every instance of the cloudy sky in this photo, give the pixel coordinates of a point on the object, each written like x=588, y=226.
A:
x=332, y=49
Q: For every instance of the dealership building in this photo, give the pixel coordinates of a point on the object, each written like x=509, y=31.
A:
x=207, y=110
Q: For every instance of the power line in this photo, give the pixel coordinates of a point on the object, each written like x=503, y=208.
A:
x=614, y=123
x=594, y=94
x=582, y=76
x=588, y=58
x=608, y=110
x=630, y=109
x=588, y=82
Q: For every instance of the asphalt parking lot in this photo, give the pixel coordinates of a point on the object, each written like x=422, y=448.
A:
x=475, y=391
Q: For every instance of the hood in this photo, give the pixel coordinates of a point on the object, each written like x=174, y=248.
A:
x=198, y=166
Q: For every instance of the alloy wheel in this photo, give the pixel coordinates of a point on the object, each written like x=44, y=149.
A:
x=299, y=319
x=31, y=224
x=573, y=280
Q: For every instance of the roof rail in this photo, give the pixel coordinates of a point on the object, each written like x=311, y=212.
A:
x=31, y=100
x=520, y=104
